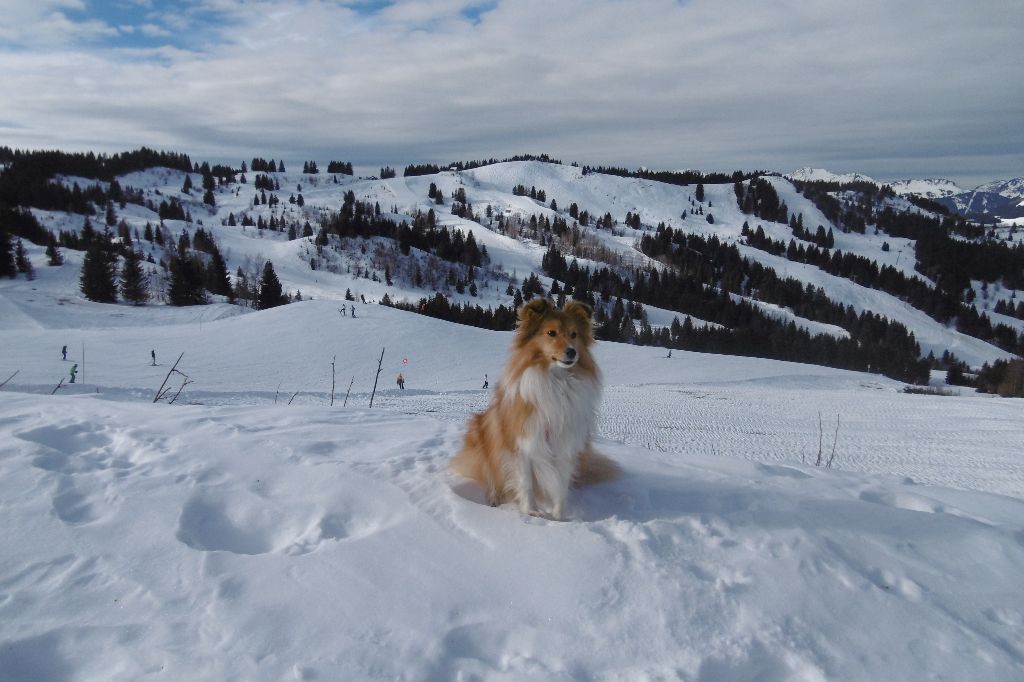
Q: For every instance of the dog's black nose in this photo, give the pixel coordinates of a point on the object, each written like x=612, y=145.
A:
x=570, y=353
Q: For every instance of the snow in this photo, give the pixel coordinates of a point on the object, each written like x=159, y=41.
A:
x=235, y=536
x=492, y=185
x=1013, y=188
x=808, y=174
x=931, y=188
x=931, y=335
x=254, y=531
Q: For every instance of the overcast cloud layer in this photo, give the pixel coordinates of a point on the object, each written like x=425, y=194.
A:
x=890, y=89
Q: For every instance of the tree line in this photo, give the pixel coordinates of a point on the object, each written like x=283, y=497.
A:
x=414, y=169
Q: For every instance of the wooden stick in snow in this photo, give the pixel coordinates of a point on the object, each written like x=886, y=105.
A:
x=379, y=363
x=9, y=378
x=158, y=391
x=349, y=390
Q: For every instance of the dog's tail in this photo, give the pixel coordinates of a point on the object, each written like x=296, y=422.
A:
x=593, y=468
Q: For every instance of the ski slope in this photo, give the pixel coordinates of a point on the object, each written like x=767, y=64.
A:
x=233, y=535
x=512, y=259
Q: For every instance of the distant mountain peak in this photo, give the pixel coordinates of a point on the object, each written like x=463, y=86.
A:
x=1012, y=188
x=930, y=188
x=809, y=174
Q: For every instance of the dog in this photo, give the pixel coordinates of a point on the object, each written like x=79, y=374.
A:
x=533, y=442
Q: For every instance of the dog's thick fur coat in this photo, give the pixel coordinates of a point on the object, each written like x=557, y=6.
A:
x=533, y=442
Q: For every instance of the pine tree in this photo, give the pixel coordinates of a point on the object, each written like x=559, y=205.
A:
x=134, y=287
x=22, y=262
x=699, y=194
x=186, y=283
x=53, y=256
x=99, y=272
x=271, y=294
x=8, y=268
x=217, y=280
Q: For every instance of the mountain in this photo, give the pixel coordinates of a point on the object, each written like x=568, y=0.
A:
x=931, y=188
x=1013, y=189
x=1000, y=198
x=405, y=240
x=809, y=174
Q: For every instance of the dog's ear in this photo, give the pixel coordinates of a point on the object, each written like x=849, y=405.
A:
x=530, y=315
x=579, y=311
x=537, y=307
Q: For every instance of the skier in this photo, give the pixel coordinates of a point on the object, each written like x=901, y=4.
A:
x=73, y=371
x=64, y=352
x=343, y=310
x=353, y=312
x=400, y=381
x=152, y=354
x=485, y=381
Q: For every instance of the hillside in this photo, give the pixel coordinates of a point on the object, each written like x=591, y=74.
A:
x=233, y=534
x=597, y=218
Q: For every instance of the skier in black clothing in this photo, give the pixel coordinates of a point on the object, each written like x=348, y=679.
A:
x=152, y=354
x=486, y=384
x=64, y=352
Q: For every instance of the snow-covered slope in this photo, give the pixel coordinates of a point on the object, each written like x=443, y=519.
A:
x=1000, y=197
x=1011, y=189
x=235, y=536
x=808, y=174
x=491, y=186
x=930, y=188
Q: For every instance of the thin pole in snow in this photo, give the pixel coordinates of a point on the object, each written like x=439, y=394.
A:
x=379, y=363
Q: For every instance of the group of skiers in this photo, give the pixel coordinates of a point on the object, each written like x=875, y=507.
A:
x=74, y=367
x=73, y=372
x=152, y=354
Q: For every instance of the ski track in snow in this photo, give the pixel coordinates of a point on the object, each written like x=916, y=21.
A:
x=936, y=441
x=276, y=542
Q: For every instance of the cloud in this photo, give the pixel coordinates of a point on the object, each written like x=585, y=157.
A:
x=738, y=84
x=44, y=23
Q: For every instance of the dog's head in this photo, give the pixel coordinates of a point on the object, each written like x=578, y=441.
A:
x=561, y=337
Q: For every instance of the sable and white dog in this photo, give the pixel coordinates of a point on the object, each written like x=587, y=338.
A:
x=534, y=440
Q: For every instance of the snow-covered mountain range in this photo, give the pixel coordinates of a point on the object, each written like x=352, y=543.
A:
x=489, y=190
x=999, y=198
x=931, y=188
x=809, y=174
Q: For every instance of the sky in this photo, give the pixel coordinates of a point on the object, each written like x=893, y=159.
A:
x=890, y=89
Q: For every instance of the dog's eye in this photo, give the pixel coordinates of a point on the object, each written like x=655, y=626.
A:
x=572, y=336
x=552, y=333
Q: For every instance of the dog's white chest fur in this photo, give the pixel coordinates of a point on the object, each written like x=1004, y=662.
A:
x=565, y=407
